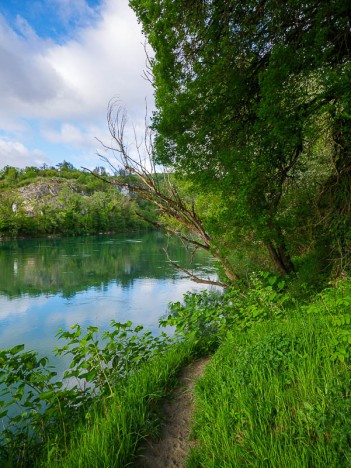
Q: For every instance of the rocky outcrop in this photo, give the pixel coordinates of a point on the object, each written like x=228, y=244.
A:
x=41, y=192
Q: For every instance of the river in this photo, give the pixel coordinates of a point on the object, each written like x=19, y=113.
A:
x=50, y=283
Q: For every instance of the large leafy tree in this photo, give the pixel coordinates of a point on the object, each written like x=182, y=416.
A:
x=253, y=105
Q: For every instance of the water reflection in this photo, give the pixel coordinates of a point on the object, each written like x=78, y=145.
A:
x=70, y=265
x=50, y=283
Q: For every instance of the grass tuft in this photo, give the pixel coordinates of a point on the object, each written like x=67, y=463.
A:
x=272, y=397
x=113, y=430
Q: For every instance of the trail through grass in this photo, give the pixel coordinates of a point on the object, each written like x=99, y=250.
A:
x=172, y=448
x=113, y=431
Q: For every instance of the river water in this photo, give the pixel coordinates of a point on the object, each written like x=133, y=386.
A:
x=50, y=283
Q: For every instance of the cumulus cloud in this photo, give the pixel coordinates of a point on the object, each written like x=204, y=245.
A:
x=67, y=133
x=75, y=79
x=25, y=78
x=77, y=11
x=14, y=153
x=103, y=62
x=76, y=136
x=64, y=88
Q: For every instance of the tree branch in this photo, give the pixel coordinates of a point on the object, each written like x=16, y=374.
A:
x=193, y=277
x=157, y=188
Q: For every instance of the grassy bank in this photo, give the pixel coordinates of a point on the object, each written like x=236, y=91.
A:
x=277, y=391
x=114, y=429
x=101, y=421
x=271, y=397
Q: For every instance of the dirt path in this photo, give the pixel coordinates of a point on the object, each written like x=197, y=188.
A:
x=172, y=448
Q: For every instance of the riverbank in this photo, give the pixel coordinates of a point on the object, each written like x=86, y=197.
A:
x=118, y=426
x=108, y=432
x=272, y=395
x=87, y=234
x=172, y=448
x=277, y=387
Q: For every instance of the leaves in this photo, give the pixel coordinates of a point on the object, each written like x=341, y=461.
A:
x=35, y=406
x=253, y=111
x=66, y=201
x=209, y=315
x=336, y=303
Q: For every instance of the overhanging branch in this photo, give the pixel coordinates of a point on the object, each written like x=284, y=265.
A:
x=193, y=277
x=159, y=189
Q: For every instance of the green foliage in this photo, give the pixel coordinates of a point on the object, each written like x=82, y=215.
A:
x=110, y=437
x=209, y=315
x=272, y=396
x=276, y=390
x=336, y=303
x=101, y=366
x=37, y=408
x=273, y=354
x=253, y=107
x=65, y=201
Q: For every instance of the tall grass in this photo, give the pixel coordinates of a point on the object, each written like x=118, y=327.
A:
x=277, y=392
x=272, y=397
x=114, y=429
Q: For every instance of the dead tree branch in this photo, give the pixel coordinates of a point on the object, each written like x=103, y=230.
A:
x=193, y=277
x=156, y=186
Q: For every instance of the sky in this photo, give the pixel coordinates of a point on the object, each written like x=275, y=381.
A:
x=61, y=62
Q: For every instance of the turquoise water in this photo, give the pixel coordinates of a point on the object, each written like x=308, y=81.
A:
x=50, y=283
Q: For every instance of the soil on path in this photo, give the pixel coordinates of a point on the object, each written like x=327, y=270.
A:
x=172, y=448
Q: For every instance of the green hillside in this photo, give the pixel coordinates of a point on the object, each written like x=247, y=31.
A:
x=64, y=201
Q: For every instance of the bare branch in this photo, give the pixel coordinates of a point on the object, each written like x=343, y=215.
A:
x=156, y=186
x=147, y=73
x=193, y=277
x=162, y=227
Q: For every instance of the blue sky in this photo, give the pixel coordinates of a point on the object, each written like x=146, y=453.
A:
x=61, y=63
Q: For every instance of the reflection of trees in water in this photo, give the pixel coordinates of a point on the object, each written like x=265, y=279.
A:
x=70, y=265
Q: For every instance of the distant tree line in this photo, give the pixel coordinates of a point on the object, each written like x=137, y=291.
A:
x=65, y=201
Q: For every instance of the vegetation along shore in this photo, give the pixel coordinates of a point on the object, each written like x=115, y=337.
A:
x=249, y=158
x=65, y=201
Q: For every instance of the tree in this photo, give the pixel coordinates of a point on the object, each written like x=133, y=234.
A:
x=9, y=175
x=253, y=105
x=65, y=166
x=178, y=214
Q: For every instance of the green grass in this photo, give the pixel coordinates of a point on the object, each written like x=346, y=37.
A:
x=276, y=393
x=113, y=430
x=272, y=397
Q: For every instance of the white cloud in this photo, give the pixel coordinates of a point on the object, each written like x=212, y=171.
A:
x=67, y=133
x=103, y=62
x=65, y=88
x=40, y=79
x=14, y=153
x=69, y=10
x=25, y=78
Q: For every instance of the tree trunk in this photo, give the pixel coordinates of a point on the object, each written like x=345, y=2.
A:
x=227, y=267
x=281, y=258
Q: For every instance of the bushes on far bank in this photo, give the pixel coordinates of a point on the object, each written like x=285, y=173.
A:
x=65, y=202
